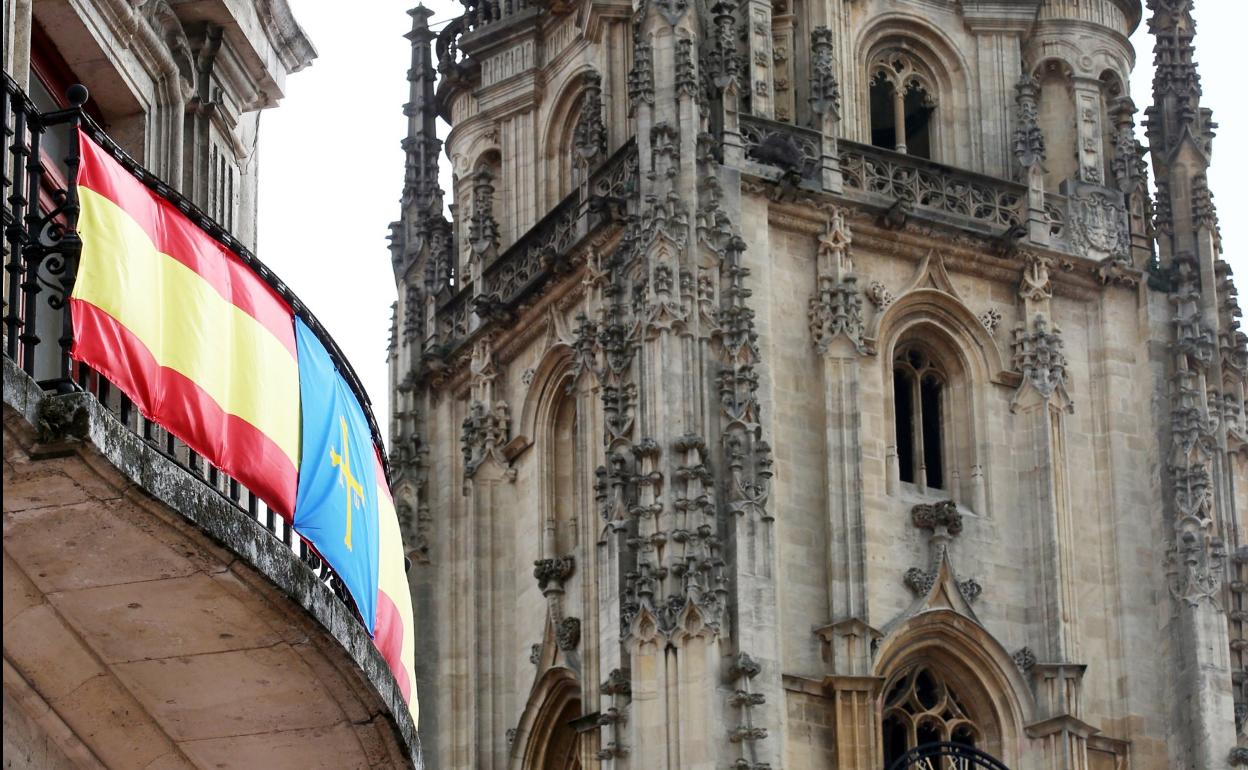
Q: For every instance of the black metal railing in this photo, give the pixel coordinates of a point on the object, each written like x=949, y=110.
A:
x=946, y=754
x=41, y=248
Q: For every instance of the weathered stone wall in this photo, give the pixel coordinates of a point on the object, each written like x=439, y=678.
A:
x=730, y=331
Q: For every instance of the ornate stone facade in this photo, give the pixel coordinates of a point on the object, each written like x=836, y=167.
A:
x=796, y=421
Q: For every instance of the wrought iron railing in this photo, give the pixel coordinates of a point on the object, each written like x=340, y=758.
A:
x=930, y=186
x=41, y=250
x=946, y=754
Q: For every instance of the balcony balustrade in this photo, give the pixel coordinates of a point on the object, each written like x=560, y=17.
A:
x=541, y=253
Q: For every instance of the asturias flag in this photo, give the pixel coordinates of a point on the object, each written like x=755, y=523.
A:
x=336, y=506
x=184, y=328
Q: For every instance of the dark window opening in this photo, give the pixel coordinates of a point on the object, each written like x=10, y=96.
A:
x=928, y=732
x=883, y=128
x=929, y=394
x=919, y=414
x=922, y=709
x=901, y=107
x=894, y=739
x=903, y=406
x=918, y=118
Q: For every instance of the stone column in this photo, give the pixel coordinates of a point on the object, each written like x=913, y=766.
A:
x=1089, y=136
x=825, y=104
x=1042, y=404
x=1029, y=151
x=489, y=550
x=1060, y=730
x=758, y=61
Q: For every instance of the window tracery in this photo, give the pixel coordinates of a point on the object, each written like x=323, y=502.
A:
x=903, y=103
x=920, y=707
x=919, y=388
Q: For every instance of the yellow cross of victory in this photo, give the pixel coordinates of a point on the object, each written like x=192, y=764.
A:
x=343, y=464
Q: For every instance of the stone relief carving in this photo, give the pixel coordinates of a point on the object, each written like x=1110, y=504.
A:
x=617, y=682
x=486, y=429
x=879, y=295
x=568, y=634
x=686, y=70
x=1099, y=227
x=990, y=318
x=1028, y=138
x=920, y=581
x=485, y=432
x=1038, y=355
x=1035, y=285
x=931, y=516
x=836, y=308
x=723, y=59
x=482, y=227
x=1024, y=658
x=641, y=77
x=1089, y=136
x=553, y=572
x=825, y=91
x=944, y=521
x=589, y=137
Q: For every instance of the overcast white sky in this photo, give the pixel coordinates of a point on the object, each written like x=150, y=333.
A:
x=331, y=170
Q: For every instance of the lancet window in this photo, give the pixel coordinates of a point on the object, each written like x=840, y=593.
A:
x=919, y=388
x=903, y=103
x=920, y=707
x=564, y=463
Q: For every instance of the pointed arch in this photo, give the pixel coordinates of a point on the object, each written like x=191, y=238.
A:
x=931, y=297
x=546, y=738
x=967, y=660
x=556, y=137
x=551, y=376
x=929, y=321
x=551, y=419
x=942, y=66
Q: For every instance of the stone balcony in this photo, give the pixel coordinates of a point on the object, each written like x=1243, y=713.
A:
x=156, y=613
x=148, y=624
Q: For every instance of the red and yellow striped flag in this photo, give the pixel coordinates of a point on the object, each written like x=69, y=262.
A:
x=395, y=626
x=189, y=332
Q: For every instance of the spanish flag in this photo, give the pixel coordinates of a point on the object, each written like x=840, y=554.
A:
x=186, y=329
x=395, y=625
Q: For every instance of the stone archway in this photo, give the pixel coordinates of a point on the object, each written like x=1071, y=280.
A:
x=547, y=738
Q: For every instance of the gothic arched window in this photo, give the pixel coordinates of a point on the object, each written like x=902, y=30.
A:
x=919, y=388
x=564, y=463
x=921, y=707
x=903, y=103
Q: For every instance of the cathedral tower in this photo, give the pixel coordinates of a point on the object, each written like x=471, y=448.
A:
x=816, y=384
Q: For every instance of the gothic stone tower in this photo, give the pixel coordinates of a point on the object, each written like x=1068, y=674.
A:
x=799, y=382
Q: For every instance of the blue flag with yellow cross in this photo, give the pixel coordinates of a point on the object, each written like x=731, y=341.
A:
x=336, y=504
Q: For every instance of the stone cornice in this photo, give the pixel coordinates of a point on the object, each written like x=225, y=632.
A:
x=964, y=252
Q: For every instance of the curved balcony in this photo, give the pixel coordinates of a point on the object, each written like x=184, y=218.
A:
x=157, y=612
